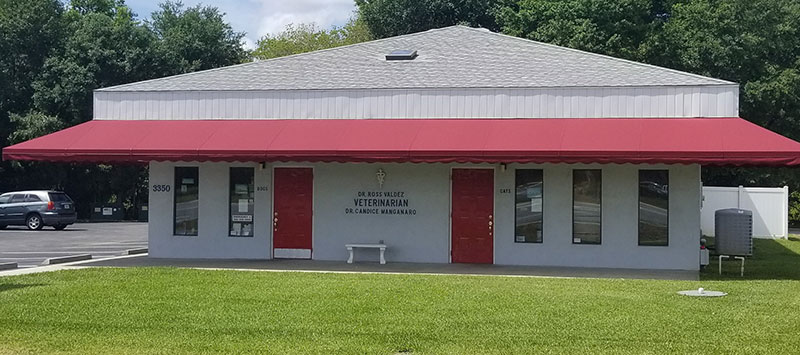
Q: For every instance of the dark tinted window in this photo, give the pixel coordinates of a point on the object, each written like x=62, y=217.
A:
x=17, y=198
x=186, y=200
x=587, y=187
x=32, y=198
x=654, y=207
x=528, y=206
x=59, y=197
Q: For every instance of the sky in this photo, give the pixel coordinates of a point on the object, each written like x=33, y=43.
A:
x=260, y=17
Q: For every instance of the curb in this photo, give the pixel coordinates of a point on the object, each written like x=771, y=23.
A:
x=8, y=266
x=67, y=259
x=75, y=265
x=136, y=251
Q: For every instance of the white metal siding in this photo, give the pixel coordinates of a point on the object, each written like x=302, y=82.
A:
x=712, y=101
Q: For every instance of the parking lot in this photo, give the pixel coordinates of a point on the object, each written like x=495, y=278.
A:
x=31, y=248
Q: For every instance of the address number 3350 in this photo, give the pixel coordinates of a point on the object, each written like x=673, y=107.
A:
x=161, y=188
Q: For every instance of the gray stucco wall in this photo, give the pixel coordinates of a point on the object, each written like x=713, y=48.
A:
x=212, y=240
x=418, y=238
x=619, y=248
x=425, y=236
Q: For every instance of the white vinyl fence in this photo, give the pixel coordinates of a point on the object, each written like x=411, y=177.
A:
x=770, y=206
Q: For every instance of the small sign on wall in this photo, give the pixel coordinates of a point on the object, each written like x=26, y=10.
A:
x=242, y=218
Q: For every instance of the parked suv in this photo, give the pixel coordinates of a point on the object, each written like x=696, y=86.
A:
x=36, y=209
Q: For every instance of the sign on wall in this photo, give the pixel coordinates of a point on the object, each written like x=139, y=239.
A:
x=381, y=203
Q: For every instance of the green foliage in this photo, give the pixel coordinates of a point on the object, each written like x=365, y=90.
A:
x=303, y=38
x=103, y=49
x=794, y=208
x=387, y=18
x=29, y=32
x=105, y=7
x=32, y=125
x=754, y=43
x=55, y=56
x=196, y=38
x=616, y=28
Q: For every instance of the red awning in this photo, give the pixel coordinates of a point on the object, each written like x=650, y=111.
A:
x=707, y=141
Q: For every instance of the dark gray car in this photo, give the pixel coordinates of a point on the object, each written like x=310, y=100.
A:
x=35, y=209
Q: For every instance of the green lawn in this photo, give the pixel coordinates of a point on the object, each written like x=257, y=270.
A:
x=771, y=260
x=178, y=311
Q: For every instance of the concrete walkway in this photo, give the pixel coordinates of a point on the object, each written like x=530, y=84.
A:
x=403, y=268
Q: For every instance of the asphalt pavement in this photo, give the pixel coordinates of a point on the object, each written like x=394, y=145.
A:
x=31, y=248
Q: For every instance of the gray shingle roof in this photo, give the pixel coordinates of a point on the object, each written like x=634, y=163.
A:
x=450, y=57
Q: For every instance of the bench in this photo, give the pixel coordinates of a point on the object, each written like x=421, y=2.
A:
x=350, y=248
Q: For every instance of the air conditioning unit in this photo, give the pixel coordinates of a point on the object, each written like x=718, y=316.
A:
x=733, y=229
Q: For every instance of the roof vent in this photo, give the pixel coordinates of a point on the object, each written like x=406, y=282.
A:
x=401, y=54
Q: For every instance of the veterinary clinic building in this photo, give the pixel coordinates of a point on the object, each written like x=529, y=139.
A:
x=454, y=145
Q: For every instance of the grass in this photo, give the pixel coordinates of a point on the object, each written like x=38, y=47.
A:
x=183, y=311
x=777, y=259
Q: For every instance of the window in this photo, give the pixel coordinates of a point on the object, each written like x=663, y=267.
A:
x=587, y=188
x=528, y=202
x=32, y=198
x=5, y=198
x=17, y=198
x=186, y=200
x=654, y=207
x=242, y=191
x=59, y=197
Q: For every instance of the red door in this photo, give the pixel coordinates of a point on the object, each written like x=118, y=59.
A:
x=292, y=218
x=473, y=216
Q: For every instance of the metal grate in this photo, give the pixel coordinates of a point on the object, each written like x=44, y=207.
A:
x=733, y=229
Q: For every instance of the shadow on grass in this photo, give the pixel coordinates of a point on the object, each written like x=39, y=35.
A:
x=9, y=287
x=773, y=259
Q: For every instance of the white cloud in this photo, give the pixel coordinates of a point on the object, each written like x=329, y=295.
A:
x=248, y=43
x=260, y=17
x=276, y=15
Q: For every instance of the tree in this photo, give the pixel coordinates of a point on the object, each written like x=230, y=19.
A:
x=303, y=38
x=387, y=18
x=58, y=55
x=32, y=125
x=196, y=38
x=754, y=43
x=616, y=28
x=29, y=32
x=103, y=48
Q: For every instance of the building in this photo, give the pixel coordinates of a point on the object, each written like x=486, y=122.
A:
x=451, y=145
